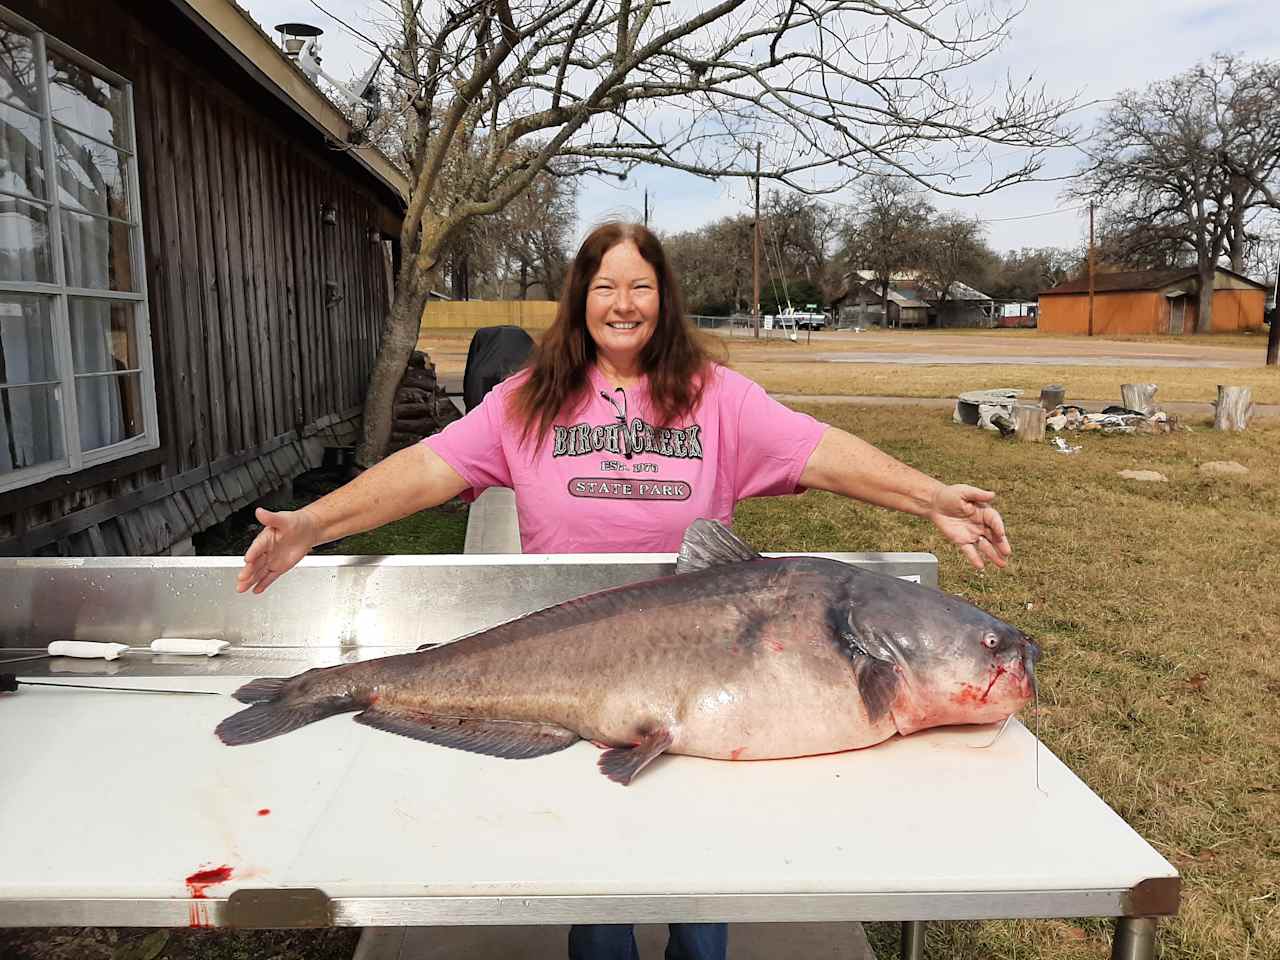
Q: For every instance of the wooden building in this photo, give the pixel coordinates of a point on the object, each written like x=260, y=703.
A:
x=1151, y=301
x=862, y=302
x=194, y=272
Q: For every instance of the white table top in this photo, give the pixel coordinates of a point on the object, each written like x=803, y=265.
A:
x=121, y=797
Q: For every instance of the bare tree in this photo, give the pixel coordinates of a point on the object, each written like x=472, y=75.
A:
x=1022, y=274
x=1185, y=168
x=887, y=233
x=954, y=251
x=832, y=88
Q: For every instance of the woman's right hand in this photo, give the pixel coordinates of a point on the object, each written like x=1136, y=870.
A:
x=287, y=536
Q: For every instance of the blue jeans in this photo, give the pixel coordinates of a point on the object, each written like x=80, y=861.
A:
x=617, y=941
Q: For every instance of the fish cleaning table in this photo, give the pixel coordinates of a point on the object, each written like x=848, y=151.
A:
x=153, y=822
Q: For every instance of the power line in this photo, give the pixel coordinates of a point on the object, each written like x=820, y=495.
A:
x=1033, y=216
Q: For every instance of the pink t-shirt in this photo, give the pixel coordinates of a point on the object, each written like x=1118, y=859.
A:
x=578, y=491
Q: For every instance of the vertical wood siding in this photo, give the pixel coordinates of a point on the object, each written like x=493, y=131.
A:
x=249, y=346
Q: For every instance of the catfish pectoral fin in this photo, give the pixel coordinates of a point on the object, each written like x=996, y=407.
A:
x=509, y=739
x=621, y=764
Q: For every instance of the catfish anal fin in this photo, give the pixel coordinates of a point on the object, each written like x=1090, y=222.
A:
x=508, y=739
x=621, y=764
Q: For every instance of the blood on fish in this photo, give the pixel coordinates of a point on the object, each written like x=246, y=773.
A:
x=1000, y=672
x=776, y=646
x=736, y=753
x=198, y=913
x=264, y=812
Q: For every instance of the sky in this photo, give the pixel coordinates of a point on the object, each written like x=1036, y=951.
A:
x=1089, y=49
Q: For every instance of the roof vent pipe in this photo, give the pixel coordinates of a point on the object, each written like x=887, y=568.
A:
x=294, y=36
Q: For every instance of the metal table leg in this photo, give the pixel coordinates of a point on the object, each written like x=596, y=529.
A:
x=913, y=940
x=1135, y=939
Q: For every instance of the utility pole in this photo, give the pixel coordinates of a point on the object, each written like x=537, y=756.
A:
x=755, y=253
x=646, y=206
x=1091, y=268
x=1273, y=338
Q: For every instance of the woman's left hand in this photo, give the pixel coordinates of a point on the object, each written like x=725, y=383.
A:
x=965, y=516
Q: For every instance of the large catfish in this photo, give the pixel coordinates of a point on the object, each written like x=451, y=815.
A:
x=735, y=657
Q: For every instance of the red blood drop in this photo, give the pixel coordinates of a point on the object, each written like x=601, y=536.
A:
x=196, y=883
x=201, y=879
x=263, y=812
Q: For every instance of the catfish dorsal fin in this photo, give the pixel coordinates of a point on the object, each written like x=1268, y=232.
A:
x=709, y=543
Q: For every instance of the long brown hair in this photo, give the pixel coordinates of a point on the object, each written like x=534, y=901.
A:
x=675, y=359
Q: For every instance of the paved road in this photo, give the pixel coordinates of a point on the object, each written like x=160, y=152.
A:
x=1184, y=408
x=1074, y=360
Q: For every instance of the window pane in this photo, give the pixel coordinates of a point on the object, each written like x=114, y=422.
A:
x=24, y=241
x=97, y=252
x=90, y=174
x=102, y=338
x=109, y=408
x=26, y=339
x=18, y=69
x=30, y=427
x=87, y=102
x=21, y=153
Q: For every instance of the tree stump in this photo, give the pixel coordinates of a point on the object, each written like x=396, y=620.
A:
x=1234, y=408
x=1052, y=395
x=1028, y=422
x=1139, y=397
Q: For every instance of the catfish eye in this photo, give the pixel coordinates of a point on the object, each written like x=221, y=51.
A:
x=990, y=640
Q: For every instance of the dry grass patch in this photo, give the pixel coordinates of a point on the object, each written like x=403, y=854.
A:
x=788, y=368
x=942, y=380
x=1160, y=680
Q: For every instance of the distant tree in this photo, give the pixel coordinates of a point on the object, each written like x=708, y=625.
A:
x=886, y=233
x=801, y=233
x=1185, y=167
x=528, y=240
x=954, y=250
x=714, y=266
x=1022, y=274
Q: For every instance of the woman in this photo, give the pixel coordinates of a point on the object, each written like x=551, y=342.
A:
x=619, y=433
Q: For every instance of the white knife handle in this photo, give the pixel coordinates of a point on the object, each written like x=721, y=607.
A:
x=189, y=646
x=86, y=649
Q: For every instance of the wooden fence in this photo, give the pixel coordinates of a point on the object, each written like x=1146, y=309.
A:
x=474, y=314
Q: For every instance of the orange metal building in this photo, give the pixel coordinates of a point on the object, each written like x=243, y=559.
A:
x=1151, y=301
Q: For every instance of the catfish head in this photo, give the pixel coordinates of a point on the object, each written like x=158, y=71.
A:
x=930, y=658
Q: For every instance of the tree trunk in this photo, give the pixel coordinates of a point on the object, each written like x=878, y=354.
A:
x=1052, y=395
x=1234, y=408
x=1204, y=319
x=1028, y=422
x=399, y=337
x=1139, y=396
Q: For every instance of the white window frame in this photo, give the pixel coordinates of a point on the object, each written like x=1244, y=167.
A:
x=76, y=459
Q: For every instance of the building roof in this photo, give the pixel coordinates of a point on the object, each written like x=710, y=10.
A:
x=1136, y=280
x=895, y=296
x=239, y=35
x=962, y=291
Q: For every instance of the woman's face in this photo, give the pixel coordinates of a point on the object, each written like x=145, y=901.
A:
x=622, y=306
